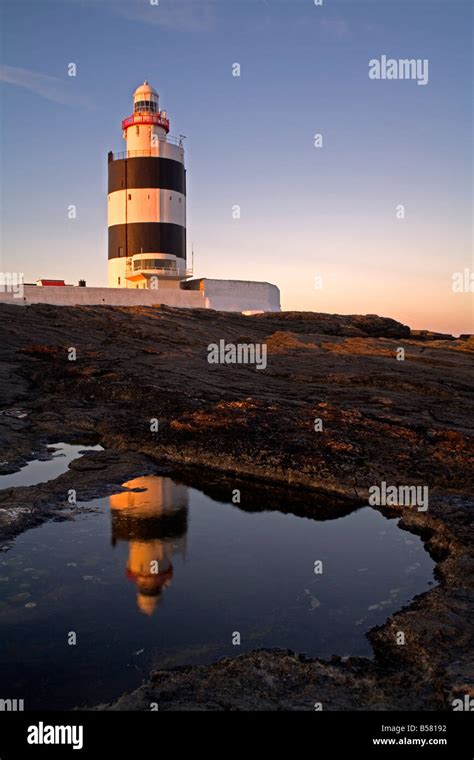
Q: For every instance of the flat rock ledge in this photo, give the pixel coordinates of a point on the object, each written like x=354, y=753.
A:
x=403, y=422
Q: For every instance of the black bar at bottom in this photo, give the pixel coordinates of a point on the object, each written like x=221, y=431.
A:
x=374, y=734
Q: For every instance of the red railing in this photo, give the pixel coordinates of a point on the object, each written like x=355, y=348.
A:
x=146, y=118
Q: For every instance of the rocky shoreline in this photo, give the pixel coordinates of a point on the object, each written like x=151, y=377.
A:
x=403, y=422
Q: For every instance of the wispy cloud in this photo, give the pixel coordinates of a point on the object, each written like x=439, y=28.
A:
x=52, y=88
x=335, y=26
x=185, y=16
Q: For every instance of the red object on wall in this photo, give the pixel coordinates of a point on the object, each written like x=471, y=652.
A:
x=50, y=283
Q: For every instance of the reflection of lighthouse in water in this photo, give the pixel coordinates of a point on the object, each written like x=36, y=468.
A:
x=154, y=522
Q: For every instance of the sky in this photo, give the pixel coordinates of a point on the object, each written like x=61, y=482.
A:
x=325, y=224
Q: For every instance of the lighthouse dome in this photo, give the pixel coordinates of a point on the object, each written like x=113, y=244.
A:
x=144, y=91
x=145, y=99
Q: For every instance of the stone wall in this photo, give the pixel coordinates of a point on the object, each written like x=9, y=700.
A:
x=74, y=296
x=222, y=295
x=237, y=295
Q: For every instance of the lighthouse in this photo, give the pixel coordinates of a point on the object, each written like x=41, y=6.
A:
x=147, y=200
x=153, y=519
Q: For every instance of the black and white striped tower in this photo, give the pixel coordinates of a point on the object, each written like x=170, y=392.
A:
x=147, y=200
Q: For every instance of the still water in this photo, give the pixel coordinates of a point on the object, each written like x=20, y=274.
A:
x=164, y=576
x=41, y=470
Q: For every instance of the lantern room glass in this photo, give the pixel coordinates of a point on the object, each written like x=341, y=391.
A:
x=149, y=106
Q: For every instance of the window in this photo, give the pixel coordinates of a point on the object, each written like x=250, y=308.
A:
x=120, y=251
x=137, y=129
x=148, y=106
x=129, y=196
x=119, y=280
x=154, y=264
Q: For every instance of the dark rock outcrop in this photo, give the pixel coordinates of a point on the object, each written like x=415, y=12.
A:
x=401, y=421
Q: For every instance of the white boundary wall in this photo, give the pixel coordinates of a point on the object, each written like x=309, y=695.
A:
x=69, y=295
x=241, y=295
x=222, y=295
